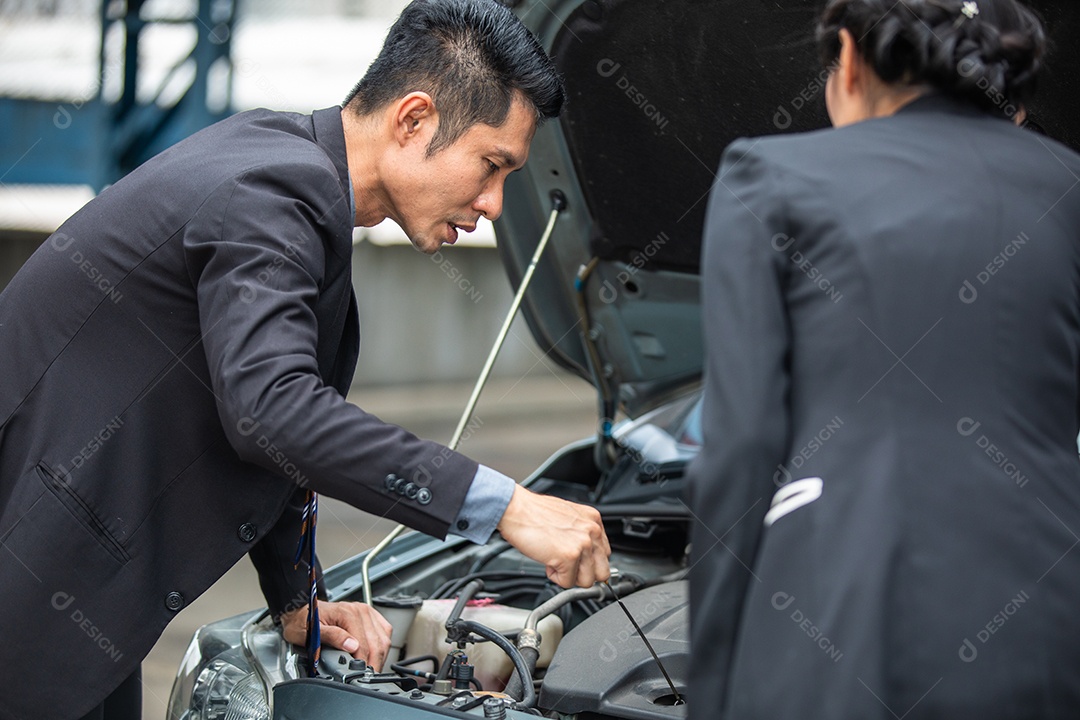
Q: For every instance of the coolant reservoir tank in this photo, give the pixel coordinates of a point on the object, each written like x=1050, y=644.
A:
x=427, y=636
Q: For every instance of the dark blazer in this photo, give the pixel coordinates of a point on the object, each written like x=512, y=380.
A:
x=175, y=358
x=889, y=490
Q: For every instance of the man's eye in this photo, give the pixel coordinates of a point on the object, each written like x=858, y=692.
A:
x=492, y=167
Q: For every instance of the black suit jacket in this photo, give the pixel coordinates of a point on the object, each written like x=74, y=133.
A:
x=892, y=308
x=175, y=358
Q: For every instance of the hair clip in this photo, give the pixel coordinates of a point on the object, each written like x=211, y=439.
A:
x=968, y=11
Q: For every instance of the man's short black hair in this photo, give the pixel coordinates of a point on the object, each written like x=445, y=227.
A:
x=470, y=56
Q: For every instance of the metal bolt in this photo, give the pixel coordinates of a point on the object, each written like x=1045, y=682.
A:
x=494, y=709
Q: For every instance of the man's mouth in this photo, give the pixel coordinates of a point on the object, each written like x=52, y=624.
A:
x=454, y=231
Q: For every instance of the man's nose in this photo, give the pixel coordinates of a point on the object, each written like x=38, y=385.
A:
x=489, y=202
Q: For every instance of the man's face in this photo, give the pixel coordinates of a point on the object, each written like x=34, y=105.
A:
x=435, y=197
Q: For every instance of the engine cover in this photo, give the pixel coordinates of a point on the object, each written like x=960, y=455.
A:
x=603, y=666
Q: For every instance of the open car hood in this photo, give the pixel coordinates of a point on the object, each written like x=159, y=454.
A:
x=656, y=91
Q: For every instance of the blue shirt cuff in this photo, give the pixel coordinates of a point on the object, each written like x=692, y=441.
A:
x=484, y=505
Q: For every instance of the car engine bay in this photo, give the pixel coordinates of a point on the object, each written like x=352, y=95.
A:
x=481, y=629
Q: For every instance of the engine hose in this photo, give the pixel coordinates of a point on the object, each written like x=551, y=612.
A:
x=597, y=592
x=495, y=551
x=463, y=627
x=452, y=587
x=402, y=668
x=466, y=594
x=529, y=640
x=471, y=588
x=514, y=686
x=420, y=658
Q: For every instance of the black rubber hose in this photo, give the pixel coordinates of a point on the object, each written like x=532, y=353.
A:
x=467, y=593
x=528, y=697
x=444, y=670
x=514, y=686
x=402, y=670
x=496, y=550
x=530, y=595
x=451, y=587
x=420, y=658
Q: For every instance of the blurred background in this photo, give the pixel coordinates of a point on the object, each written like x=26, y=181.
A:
x=89, y=89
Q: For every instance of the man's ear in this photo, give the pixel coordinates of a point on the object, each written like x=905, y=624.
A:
x=414, y=117
x=849, y=66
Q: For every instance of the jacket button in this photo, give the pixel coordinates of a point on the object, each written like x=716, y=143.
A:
x=390, y=480
x=463, y=524
x=423, y=496
x=246, y=532
x=410, y=490
x=174, y=601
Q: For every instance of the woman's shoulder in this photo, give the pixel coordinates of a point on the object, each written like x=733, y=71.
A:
x=794, y=153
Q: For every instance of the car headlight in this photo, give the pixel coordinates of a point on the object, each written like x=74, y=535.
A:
x=216, y=681
x=228, y=690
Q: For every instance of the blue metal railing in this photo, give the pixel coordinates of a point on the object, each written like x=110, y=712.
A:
x=98, y=141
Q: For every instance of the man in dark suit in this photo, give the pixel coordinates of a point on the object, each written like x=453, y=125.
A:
x=889, y=491
x=176, y=357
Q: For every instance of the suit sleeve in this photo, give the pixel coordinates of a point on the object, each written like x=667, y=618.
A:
x=745, y=421
x=256, y=256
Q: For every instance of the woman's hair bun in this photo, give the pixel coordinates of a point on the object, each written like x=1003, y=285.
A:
x=987, y=52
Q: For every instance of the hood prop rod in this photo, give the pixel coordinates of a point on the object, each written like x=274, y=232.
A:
x=558, y=204
x=604, y=454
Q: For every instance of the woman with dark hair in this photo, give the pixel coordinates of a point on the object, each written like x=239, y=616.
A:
x=889, y=490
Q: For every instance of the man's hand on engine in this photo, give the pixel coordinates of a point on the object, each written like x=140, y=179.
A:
x=354, y=627
x=568, y=538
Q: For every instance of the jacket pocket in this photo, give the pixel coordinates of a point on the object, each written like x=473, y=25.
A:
x=81, y=512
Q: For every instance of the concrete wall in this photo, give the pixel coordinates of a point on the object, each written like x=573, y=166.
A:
x=435, y=317
x=422, y=318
